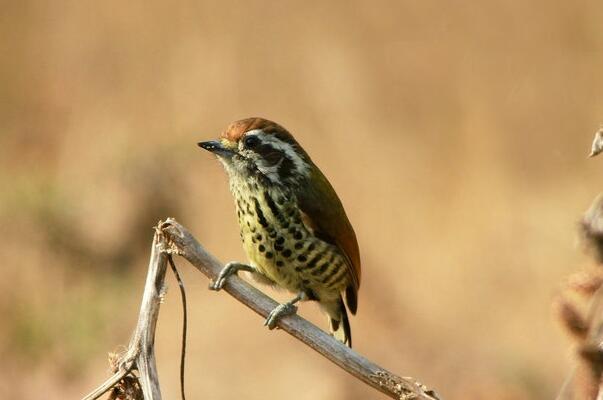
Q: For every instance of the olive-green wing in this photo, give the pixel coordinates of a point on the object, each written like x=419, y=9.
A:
x=324, y=213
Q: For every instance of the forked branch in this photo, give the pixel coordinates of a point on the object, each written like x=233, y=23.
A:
x=140, y=355
x=172, y=237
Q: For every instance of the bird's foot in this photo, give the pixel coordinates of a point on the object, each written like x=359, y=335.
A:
x=230, y=269
x=280, y=311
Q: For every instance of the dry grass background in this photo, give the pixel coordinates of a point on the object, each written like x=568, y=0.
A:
x=454, y=132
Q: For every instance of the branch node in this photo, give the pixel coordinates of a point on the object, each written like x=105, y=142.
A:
x=401, y=387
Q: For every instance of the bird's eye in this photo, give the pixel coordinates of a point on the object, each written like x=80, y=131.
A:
x=251, y=141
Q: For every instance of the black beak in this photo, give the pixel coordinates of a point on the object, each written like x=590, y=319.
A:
x=217, y=148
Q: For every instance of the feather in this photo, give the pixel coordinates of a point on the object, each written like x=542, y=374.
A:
x=323, y=212
x=321, y=209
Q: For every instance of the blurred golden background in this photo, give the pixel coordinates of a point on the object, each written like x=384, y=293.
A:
x=455, y=133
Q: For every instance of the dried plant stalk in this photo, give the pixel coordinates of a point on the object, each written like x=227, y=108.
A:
x=173, y=238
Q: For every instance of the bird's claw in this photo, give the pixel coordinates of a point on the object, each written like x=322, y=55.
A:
x=230, y=269
x=218, y=283
x=220, y=280
x=280, y=311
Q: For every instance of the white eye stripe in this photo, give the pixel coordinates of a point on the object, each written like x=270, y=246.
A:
x=254, y=132
x=301, y=166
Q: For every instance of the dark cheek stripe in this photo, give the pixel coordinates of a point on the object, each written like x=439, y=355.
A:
x=268, y=153
x=286, y=168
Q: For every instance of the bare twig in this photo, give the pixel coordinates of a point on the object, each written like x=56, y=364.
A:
x=173, y=238
x=140, y=354
x=347, y=359
x=106, y=385
x=585, y=381
x=597, y=146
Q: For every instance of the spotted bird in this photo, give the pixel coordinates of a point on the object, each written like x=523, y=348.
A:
x=294, y=229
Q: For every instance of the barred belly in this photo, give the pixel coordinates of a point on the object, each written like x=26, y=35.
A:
x=282, y=248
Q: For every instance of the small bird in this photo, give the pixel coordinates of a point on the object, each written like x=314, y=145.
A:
x=294, y=229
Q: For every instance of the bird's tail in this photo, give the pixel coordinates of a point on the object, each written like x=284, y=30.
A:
x=339, y=323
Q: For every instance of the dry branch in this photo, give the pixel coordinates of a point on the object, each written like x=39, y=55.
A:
x=140, y=354
x=585, y=381
x=172, y=237
x=597, y=146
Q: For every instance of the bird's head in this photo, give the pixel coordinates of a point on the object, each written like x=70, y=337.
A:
x=256, y=146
